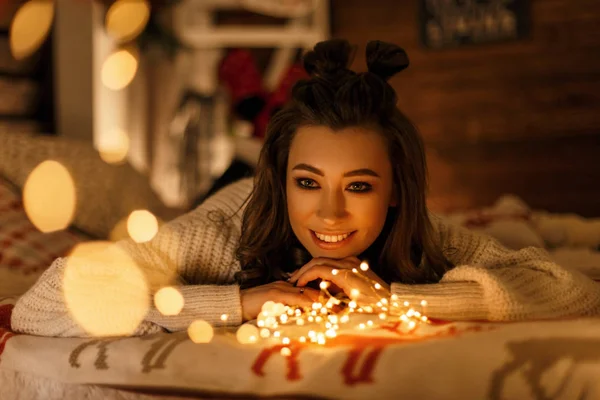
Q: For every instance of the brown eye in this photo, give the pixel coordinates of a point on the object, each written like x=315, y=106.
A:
x=359, y=187
x=306, y=183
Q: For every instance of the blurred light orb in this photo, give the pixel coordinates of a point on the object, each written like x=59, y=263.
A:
x=168, y=301
x=119, y=69
x=30, y=27
x=105, y=291
x=49, y=197
x=113, y=146
x=126, y=19
x=247, y=334
x=200, y=331
x=142, y=226
x=86, y=249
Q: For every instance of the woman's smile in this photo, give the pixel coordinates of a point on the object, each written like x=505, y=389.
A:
x=328, y=241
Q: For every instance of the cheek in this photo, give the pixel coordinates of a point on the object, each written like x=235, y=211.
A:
x=370, y=216
x=300, y=206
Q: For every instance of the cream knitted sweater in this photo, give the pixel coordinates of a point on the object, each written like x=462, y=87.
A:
x=488, y=283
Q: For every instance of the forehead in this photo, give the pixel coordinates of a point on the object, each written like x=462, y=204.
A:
x=321, y=146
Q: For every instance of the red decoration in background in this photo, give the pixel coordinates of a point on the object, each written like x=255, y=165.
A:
x=251, y=102
x=240, y=75
x=278, y=98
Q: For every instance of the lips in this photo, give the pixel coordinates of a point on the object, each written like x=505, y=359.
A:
x=342, y=239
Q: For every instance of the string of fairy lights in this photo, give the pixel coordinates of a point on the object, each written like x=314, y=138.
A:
x=324, y=320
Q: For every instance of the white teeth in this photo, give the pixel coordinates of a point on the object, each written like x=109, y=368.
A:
x=330, y=238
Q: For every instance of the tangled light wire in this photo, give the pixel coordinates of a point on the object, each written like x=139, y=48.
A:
x=324, y=320
x=331, y=314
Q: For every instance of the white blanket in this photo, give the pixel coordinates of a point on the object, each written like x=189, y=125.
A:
x=533, y=360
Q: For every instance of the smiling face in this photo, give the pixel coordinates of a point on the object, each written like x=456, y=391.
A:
x=339, y=187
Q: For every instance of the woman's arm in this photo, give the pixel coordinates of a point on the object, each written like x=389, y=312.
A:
x=493, y=283
x=195, y=253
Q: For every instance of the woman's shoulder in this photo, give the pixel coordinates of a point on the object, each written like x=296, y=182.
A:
x=233, y=195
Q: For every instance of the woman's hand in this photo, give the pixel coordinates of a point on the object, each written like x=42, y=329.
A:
x=349, y=276
x=279, y=292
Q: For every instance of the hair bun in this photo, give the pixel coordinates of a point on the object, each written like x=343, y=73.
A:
x=328, y=58
x=385, y=59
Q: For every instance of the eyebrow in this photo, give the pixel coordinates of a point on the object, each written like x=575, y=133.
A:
x=356, y=172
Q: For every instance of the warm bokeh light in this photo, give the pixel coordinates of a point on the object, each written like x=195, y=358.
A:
x=105, y=291
x=49, y=197
x=30, y=27
x=113, y=146
x=247, y=334
x=87, y=248
x=119, y=69
x=126, y=19
x=200, y=331
x=168, y=301
x=142, y=226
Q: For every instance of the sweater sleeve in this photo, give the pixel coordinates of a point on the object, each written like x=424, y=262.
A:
x=111, y=292
x=491, y=282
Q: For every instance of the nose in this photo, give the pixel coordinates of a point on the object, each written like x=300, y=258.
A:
x=332, y=207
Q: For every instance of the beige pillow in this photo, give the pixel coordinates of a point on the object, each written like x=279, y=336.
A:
x=105, y=193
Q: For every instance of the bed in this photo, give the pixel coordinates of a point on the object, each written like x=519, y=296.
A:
x=558, y=359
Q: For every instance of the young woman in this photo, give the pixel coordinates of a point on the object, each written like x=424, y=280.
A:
x=341, y=179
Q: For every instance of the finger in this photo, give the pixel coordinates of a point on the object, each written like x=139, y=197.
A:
x=295, y=299
x=311, y=293
x=320, y=272
x=317, y=261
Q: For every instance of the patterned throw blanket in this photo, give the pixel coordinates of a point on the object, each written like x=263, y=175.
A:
x=441, y=360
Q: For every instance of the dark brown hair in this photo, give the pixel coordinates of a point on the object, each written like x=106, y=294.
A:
x=336, y=97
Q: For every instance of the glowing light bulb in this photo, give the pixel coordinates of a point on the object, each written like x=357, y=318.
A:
x=286, y=352
x=224, y=317
x=49, y=197
x=119, y=69
x=377, y=286
x=334, y=272
x=169, y=301
x=30, y=27
x=247, y=334
x=285, y=340
x=200, y=331
x=354, y=270
x=113, y=145
x=324, y=285
x=364, y=266
x=126, y=19
x=142, y=226
x=354, y=293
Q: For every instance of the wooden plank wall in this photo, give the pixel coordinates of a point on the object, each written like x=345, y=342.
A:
x=519, y=117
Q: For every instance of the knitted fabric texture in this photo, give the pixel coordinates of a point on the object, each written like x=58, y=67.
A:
x=197, y=252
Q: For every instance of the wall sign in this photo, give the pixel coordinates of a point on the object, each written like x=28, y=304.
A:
x=452, y=23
